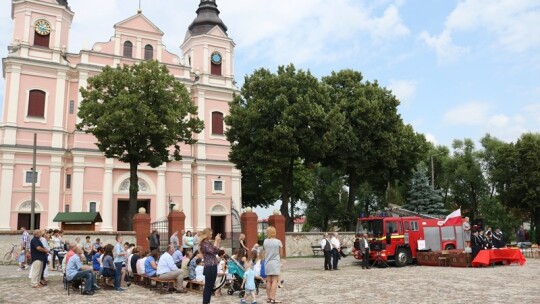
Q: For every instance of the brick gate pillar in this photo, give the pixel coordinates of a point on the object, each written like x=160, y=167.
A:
x=278, y=221
x=141, y=226
x=249, y=227
x=176, y=219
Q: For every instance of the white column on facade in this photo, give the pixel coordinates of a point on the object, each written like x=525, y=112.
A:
x=159, y=50
x=6, y=186
x=236, y=189
x=161, y=206
x=27, y=27
x=228, y=63
x=201, y=197
x=107, y=205
x=206, y=60
x=13, y=101
x=118, y=51
x=187, y=194
x=54, y=190
x=201, y=137
x=59, y=106
x=77, y=184
x=58, y=33
x=83, y=82
x=138, y=49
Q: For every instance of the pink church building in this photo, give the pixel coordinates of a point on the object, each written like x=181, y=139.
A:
x=42, y=82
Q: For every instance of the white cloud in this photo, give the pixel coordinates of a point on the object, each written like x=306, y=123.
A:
x=431, y=138
x=498, y=121
x=474, y=113
x=404, y=90
x=513, y=24
x=446, y=50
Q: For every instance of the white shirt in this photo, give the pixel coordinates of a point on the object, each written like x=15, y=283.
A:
x=140, y=265
x=199, y=276
x=335, y=243
x=323, y=243
x=165, y=264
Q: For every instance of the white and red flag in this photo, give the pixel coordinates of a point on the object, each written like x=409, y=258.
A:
x=453, y=218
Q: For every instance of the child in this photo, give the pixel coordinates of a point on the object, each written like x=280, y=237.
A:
x=22, y=260
x=199, y=276
x=249, y=283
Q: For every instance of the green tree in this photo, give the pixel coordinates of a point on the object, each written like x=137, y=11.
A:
x=422, y=198
x=373, y=145
x=468, y=184
x=327, y=200
x=523, y=191
x=278, y=122
x=139, y=114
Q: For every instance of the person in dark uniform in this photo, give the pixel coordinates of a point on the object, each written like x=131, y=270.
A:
x=476, y=243
x=364, y=247
x=327, y=250
x=498, y=239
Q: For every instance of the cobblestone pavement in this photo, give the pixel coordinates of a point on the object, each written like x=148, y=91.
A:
x=306, y=282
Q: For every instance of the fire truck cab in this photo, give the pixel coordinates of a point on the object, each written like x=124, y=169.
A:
x=395, y=239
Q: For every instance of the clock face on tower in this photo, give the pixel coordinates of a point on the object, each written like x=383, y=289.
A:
x=43, y=27
x=216, y=58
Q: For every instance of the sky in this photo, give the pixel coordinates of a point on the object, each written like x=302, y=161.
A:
x=461, y=69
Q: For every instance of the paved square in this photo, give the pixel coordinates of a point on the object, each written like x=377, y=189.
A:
x=306, y=282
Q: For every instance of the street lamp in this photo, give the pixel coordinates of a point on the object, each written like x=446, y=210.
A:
x=433, y=170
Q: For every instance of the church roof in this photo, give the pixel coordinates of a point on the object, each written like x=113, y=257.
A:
x=207, y=18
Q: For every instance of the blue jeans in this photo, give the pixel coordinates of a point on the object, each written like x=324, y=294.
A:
x=335, y=258
x=117, y=275
x=89, y=277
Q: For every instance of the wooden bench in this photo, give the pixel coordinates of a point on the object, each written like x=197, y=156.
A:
x=166, y=284
x=195, y=285
x=140, y=279
x=316, y=249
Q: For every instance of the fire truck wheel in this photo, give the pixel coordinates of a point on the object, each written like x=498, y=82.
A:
x=449, y=247
x=401, y=257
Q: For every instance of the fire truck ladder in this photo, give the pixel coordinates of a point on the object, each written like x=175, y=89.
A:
x=405, y=212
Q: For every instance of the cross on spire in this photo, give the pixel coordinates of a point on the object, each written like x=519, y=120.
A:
x=139, y=10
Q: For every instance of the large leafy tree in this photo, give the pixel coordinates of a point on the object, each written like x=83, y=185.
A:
x=523, y=189
x=327, y=200
x=139, y=114
x=279, y=121
x=373, y=145
x=467, y=180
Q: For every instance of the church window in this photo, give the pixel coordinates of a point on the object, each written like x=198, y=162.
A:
x=217, y=123
x=128, y=49
x=36, y=103
x=148, y=52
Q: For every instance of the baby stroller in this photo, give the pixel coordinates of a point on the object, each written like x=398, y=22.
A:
x=236, y=274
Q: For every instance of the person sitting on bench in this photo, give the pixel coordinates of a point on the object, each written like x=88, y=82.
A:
x=74, y=271
x=167, y=269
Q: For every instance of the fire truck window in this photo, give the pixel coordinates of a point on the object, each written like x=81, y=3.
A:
x=391, y=227
x=414, y=226
x=406, y=226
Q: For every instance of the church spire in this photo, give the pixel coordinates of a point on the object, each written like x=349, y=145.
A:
x=207, y=18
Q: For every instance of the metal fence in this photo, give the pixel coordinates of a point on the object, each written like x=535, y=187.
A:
x=163, y=230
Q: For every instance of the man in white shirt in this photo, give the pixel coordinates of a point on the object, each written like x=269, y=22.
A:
x=364, y=248
x=167, y=269
x=336, y=247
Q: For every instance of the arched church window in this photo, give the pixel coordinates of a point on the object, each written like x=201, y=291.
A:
x=128, y=49
x=217, y=123
x=148, y=52
x=143, y=186
x=215, y=63
x=36, y=103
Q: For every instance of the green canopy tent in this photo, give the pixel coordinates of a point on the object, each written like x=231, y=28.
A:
x=78, y=220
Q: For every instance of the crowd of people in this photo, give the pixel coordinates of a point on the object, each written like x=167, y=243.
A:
x=188, y=257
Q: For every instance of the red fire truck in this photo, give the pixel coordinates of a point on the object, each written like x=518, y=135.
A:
x=396, y=239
